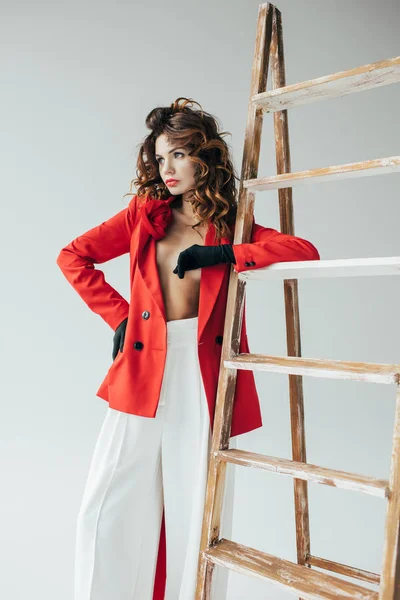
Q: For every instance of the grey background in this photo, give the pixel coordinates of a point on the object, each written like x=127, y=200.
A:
x=78, y=79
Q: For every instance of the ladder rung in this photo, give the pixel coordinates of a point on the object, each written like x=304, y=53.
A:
x=313, y=269
x=346, y=570
x=306, y=471
x=366, y=168
x=299, y=579
x=316, y=367
x=383, y=72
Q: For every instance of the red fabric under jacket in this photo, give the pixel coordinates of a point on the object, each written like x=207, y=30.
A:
x=133, y=381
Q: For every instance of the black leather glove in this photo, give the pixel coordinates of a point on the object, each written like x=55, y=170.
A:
x=119, y=338
x=197, y=256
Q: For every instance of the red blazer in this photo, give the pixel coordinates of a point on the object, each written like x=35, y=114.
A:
x=133, y=381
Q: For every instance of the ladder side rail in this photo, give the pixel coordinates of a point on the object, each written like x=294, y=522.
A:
x=292, y=315
x=234, y=311
x=390, y=572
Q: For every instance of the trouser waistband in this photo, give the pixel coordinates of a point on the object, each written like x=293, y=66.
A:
x=182, y=330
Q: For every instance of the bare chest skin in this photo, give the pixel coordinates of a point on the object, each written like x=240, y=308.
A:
x=181, y=296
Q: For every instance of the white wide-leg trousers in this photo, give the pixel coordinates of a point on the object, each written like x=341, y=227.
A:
x=138, y=466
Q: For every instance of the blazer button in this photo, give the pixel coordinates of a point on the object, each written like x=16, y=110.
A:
x=219, y=339
x=252, y=263
x=138, y=345
x=145, y=314
x=247, y=264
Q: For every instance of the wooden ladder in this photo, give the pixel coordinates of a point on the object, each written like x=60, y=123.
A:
x=297, y=578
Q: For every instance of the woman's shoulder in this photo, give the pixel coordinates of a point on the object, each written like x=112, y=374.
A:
x=134, y=207
x=136, y=202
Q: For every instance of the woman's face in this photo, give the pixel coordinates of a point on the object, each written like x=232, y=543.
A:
x=173, y=163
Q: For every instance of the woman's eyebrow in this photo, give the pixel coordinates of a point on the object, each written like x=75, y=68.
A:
x=178, y=148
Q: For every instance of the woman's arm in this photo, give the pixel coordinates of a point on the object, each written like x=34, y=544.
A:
x=98, y=245
x=267, y=246
x=270, y=246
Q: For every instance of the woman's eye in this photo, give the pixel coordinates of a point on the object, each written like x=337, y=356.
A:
x=158, y=159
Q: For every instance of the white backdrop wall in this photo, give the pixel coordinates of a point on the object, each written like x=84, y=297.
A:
x=78, y=79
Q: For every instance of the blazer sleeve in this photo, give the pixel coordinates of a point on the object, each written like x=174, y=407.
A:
x=98, y=245
x=270, y=246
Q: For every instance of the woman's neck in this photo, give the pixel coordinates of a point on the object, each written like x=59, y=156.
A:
x=183, y=206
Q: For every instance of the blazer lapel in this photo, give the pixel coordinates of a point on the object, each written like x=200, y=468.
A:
x=210, y=280
x=147, y=265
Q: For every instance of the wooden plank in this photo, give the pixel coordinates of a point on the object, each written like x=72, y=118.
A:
x=366, y=168
x=291, y=297
x=317, y=269
x=359, y=79
x=294, y=578
x=390, y=577
x=331, y=565
x=222, y=421
x=317, y=367
x=306, y=472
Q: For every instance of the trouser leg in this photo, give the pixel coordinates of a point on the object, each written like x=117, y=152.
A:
x=186, y=444
x=119, y=520
x=184, y=457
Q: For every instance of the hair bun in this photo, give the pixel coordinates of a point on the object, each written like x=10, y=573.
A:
x=158, y=117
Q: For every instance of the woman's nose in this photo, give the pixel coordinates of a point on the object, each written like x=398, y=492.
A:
x=168, y=168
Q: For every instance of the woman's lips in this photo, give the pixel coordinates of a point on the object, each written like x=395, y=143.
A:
x=172, y=182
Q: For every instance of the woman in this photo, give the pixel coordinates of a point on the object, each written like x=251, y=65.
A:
x=139, y=525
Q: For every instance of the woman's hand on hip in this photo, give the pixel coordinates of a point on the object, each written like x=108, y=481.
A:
x=119, y=338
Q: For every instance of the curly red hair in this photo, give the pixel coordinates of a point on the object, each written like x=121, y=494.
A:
x=214, y=197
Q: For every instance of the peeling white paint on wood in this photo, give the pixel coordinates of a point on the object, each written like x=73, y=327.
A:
x=298, y=579
x=366, y=168
x=317, y=367
x=318, y=269
x=336, y=567
x=366, y=77
x=307, y=471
